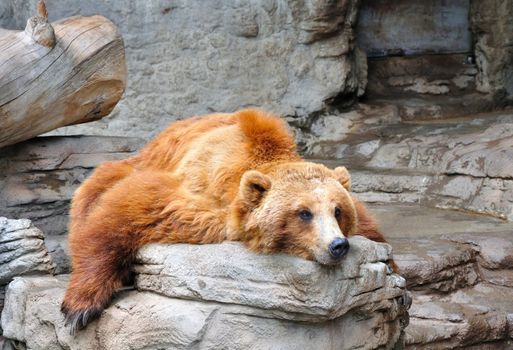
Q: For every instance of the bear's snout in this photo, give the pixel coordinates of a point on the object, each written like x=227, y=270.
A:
x=338, y=247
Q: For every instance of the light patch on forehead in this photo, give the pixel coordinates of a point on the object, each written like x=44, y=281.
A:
x=321, y=191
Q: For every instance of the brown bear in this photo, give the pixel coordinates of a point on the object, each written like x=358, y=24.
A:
x=207, y=179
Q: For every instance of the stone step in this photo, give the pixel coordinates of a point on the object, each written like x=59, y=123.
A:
x=479, y=317
x=435, y=265
x=447, y=250
x=462, y=192
x=460, y=163
x=459, y=269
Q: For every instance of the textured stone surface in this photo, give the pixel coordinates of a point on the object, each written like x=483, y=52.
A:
x=228, y=298
x=229, y=273
x=435, y=265
x=413, y=27
x=459, y=269
x=22, y=250
x=493, y=34
x=473, y=316
x=462, y=163
x=291, y=57
x=495, y=250
x=58, y=249
x=41, y=175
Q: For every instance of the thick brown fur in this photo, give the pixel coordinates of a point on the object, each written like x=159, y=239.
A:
x=200, y=181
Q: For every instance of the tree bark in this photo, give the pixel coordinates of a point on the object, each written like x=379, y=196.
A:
x=51, y=75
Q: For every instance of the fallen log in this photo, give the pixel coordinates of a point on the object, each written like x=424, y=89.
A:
x=51, y=75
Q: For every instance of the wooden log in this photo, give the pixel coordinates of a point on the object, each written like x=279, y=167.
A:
x=51, y=75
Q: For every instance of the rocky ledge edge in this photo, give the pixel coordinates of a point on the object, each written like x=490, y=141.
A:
x=223, y=296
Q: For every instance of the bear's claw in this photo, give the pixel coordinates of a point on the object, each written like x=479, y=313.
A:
x=77, y=320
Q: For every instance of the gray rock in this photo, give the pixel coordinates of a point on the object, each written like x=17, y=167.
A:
x=492, y=28
x=229, y=273
x=463, y=164
x=471, y=317
x=42, y=174
x=290, y=57
x=495, y=249
x=58, y=249
x=224, y=297
x=468, y=318
x=22, y=250
x=434, y=264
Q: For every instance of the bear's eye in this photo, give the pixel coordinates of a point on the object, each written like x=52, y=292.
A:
x=305, y=215
x=337, y=212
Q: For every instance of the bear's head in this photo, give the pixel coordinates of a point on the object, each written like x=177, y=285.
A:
x=299, y=208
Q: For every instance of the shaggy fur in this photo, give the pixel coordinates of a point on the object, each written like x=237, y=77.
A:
x=203, y=180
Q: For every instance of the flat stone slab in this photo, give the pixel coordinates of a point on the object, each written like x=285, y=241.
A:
x=433, y=264
x=225, y=297
x=459, y=163
x=495, y=250
x=472, y=316
x=419, y=221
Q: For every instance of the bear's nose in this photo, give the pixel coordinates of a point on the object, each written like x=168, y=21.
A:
x=339, y=247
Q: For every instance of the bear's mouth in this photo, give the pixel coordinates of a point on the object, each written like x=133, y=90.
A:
x=323, y=257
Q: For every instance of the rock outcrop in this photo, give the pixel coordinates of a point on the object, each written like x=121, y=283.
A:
x=458, y=268
x=223, y=296
x=22, y=252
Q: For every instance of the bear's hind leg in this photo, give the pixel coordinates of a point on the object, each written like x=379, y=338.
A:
x=103, y=245
x=102, y=179
x=90, y=289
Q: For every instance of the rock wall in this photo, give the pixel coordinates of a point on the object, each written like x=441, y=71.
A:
x=224, y=297
x=22, y=252
x=492, y=25
x=192, y=57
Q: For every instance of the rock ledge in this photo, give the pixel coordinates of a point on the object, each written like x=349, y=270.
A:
x=224, y=297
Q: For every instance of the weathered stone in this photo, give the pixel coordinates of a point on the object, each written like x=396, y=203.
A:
x=222, y=274
x=451, y=164
x=382, y=186
x=58, y=249
x=22, y=250
x=222, y=296
x=473, y=316
x=391, y=30
x=498, y=277
x=434, y=264
x=41, y=175
x=495, y=250
x=492, y=28
x=294, y=58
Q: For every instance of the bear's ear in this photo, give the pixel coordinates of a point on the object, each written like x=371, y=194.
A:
x=253, y=186
x=342, y=175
